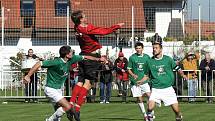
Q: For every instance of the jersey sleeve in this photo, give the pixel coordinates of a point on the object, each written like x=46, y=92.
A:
x=49, y=63
x=174, y=66
x=90, y=29
x=76, y=58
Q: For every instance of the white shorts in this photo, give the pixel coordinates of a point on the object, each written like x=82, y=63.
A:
x=54, y=95
x=139, y=91
x=167, y=95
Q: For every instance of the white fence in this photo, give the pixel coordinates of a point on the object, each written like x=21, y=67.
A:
x=14, y=88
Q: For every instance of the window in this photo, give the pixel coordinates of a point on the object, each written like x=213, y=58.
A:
x=61, y=7
x=27, y=8
x=150, y=18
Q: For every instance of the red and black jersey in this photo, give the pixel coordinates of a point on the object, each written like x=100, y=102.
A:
x=87, y=39
x=119, y=65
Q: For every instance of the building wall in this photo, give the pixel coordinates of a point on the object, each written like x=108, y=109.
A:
x=165, y=11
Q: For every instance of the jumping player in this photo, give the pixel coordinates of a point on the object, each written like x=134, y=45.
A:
x=89, y=44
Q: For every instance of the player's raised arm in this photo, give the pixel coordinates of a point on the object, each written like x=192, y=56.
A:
x=31, y=72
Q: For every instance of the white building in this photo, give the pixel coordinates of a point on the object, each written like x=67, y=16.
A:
x=164, y=17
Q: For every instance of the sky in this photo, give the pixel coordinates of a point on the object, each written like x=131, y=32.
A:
x=193, y=8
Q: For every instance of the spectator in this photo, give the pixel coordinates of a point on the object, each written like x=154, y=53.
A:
x=31, y=88
x=120, y=66
x=74, y=74
x=105, y=81
x=207, y=66
x=190, y=63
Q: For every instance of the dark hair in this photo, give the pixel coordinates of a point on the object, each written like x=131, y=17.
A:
x=139, y=44
x=64, y=50
x=30, y=49
x=157, y=40
x=76, y=16
x=158, y=44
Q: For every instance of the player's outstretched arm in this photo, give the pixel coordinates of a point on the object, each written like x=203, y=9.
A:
x=31, y=72
x=101, y=30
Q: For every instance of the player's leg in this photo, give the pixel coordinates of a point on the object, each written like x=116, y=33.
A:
x=81, y=99
x=78, y=87
x=136, y=92
x=55, y=96
x=150, y=113
x=170, y=99
x=176, y=109
x=154, y=98
x=145, y=90
x=75, y=92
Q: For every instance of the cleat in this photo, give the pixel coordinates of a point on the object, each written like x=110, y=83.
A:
x=179, y=118
x=70, y=114
x=150, y=117
x=47, y=119
x=146, y=118
x=77, y=116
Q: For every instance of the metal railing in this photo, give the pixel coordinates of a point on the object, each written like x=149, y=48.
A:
x=12, y=86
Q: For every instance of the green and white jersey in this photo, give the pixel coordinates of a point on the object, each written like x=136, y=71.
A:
x=58, y=70
x=137, y=64
x=161, y=72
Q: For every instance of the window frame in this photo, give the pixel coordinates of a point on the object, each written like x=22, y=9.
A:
x=30, y=12
x=59, y=12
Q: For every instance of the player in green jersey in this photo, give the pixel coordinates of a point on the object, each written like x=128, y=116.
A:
x=57, y=73
x=136, y=69
x=160, y=68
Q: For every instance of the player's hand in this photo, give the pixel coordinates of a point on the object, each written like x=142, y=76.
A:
x=26, y=79
x=139, y=83
x=102, y=59
x=185, y=77
x=123, y=70
x=135, y=76
x=121, y=24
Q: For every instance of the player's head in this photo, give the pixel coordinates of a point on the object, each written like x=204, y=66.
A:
x=78, y=17
x=65, y=51
x=157, y=45
x=139, y=47
x=157, y=49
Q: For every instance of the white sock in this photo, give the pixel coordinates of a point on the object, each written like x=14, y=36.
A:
x=142, y=108
x=57, y=114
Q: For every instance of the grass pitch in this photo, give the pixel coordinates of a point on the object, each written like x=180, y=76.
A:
x=19, y=111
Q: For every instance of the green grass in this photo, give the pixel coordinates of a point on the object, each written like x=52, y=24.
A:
x=18, y=111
